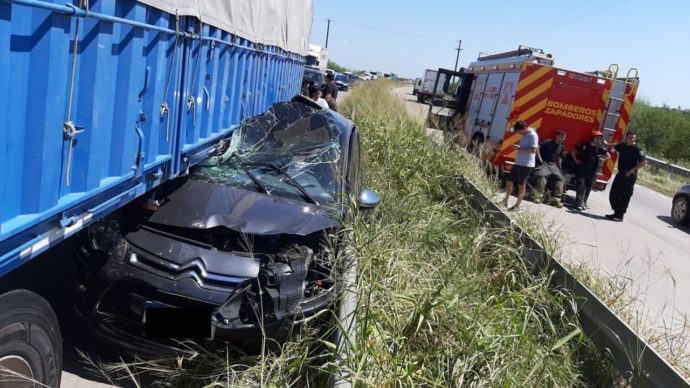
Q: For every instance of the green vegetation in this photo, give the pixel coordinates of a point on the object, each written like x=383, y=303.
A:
x=336, y=67
x=661, y=181
x=662, y=132
x=443, y=298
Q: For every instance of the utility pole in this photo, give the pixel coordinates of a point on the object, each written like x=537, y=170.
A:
x=458, y=55
x=328, y=29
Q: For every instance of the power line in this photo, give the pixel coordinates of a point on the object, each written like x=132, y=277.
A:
x=573, y=18
x=388, y=31
x=563, y=18
x=556, y=19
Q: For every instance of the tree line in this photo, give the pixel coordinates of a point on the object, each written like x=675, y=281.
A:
x=662, y=131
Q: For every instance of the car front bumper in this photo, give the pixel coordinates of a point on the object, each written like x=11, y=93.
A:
x=115, y=299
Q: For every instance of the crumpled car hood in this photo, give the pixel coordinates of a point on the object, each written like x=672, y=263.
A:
x=204, y=205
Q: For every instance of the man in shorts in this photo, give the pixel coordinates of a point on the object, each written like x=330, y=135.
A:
x=525, y=161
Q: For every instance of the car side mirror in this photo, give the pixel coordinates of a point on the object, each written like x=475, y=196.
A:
x=368, y=199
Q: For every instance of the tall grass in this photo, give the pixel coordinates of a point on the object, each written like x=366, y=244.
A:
x=661, y=181
x=445, y=298
x=442, y=297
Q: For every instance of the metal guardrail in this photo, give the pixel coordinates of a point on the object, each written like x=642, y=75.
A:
x=632, y=356
x=345, y=334
x=666, y=166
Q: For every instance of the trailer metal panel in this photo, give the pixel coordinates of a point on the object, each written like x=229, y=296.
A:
x=106, y=104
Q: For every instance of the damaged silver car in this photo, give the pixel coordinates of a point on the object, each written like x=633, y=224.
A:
x=250, y=234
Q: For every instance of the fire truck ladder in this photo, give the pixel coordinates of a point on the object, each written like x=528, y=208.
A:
x=611, y=115
x=619, y=90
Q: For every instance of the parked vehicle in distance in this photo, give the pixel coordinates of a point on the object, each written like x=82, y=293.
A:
x=428, y=88
x=417, y=86
x=679, y=209
x=342, y=82
x=317, y=56
x=252, y=234
x=313, y=76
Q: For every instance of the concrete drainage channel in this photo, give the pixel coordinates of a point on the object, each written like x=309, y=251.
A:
x=631, y=355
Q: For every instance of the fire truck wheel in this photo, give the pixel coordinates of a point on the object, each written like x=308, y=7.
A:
x=475, y=143
x=30, y=341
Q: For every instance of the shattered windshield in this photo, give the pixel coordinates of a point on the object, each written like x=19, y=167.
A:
x=288, y=151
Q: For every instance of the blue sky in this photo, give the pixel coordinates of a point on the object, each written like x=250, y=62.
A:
x=405, y=37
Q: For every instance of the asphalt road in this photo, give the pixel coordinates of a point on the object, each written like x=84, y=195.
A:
x=646, y=251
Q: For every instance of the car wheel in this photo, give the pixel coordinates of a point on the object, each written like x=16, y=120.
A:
x=679, y=210
x=30, y=341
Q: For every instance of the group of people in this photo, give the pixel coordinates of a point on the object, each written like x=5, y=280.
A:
x=325, y=95
x=543, y=163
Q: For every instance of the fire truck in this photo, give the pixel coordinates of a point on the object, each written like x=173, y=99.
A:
x=496, y=91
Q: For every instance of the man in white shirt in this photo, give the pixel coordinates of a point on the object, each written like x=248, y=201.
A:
x=525, y=160
x=315, y=95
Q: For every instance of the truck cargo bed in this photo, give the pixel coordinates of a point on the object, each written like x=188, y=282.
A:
x=101, y=105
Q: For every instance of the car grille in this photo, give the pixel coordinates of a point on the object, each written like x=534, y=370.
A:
x=194, y=269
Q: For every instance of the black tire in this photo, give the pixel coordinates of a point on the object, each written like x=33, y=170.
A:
x=475, y=143
x=679, y=211
x=30, y=340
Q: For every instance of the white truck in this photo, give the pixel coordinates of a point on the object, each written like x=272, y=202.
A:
x=317, y=56
x=417, y=86
x=429, y=87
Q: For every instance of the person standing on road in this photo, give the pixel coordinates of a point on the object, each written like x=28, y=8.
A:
x=549, y=175
x=630, y=160
x=330, y=91
x=524, y=162
x=590, y=155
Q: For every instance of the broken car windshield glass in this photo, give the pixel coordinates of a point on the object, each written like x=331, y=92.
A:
x=291, y=151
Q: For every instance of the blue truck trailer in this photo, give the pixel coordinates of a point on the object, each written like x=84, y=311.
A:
x=102, y=101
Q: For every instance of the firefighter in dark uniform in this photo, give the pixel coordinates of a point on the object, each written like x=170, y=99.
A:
x=587, y=157
x=630, y=160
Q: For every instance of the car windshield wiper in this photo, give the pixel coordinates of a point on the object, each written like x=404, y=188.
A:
x=251, y=176
x=288, y=177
